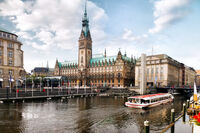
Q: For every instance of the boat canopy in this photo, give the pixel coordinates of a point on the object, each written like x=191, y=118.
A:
x=151, y=96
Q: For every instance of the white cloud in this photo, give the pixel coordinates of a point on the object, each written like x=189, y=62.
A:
x=11, y=7
x=168, y=11
x=54, y=23
x=46, y=25
x=129, y=36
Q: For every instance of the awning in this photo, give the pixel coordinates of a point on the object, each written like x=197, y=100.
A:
x=1, y=79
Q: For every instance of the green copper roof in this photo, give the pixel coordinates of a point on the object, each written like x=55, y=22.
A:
x=68, y=64
x=126, y=58
x=103, y=59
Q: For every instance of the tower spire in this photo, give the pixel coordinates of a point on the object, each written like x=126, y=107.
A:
x=85, y=22
x=105, y=53
x=85, y=7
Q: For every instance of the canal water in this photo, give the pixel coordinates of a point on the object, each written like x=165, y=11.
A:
x=85, y=115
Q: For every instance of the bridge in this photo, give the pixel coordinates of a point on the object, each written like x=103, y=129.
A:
x=22, y=94
x=8, y=94
x=184, y=91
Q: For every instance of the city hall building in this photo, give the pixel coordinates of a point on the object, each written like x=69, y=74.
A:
x=11, y=59
x=110, y=71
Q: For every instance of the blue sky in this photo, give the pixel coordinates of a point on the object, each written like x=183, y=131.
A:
x=50, y=29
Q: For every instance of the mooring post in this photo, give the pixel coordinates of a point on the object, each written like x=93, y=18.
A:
x=184, y=110
x=188, y=103
x=146, y=126
x=172, y=120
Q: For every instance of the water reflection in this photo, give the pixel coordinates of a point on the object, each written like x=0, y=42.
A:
x=83, y=115
x=10, y=118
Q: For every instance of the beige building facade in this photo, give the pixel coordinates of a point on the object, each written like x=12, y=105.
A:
x=163, y=71
x=11, y=59
x=198, y=78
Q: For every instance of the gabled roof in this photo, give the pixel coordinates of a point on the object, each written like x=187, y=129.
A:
x=68, y=64
x=103, y=59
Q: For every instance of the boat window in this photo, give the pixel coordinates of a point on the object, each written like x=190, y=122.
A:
x=137, y=100
x=133, y=100
x=130, y=100
x=142, y=101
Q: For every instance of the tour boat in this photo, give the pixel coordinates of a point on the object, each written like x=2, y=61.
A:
x=148, y=101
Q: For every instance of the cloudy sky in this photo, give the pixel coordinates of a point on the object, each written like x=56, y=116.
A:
x=50, y=29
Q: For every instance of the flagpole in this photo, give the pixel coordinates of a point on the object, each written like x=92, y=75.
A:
x=40, y=84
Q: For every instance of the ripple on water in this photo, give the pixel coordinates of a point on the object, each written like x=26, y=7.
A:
x=96, y=114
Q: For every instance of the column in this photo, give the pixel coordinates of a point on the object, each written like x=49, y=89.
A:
x=143, y=75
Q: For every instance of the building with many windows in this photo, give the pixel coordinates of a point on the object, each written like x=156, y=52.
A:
x=198, y=78
x=112, y=71
x=162, y=70
x=42, y=71
x=11, y=59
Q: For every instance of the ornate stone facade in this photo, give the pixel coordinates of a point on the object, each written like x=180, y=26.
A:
x=111, y=71
x=163, y=71
x=11, y=59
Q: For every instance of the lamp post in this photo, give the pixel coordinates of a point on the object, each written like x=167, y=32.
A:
x=59, y=84
x=40, y=84
x=10, y=77
x=32, y=86
x=16, y=88
x=47, y=87
x=25, y=84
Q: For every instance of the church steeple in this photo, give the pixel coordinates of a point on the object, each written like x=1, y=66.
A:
x=105, y=53
x=85, y=23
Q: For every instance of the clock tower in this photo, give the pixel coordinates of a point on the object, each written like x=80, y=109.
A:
x=84, y=49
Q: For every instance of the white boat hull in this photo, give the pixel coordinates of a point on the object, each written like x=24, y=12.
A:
x=150, y=105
